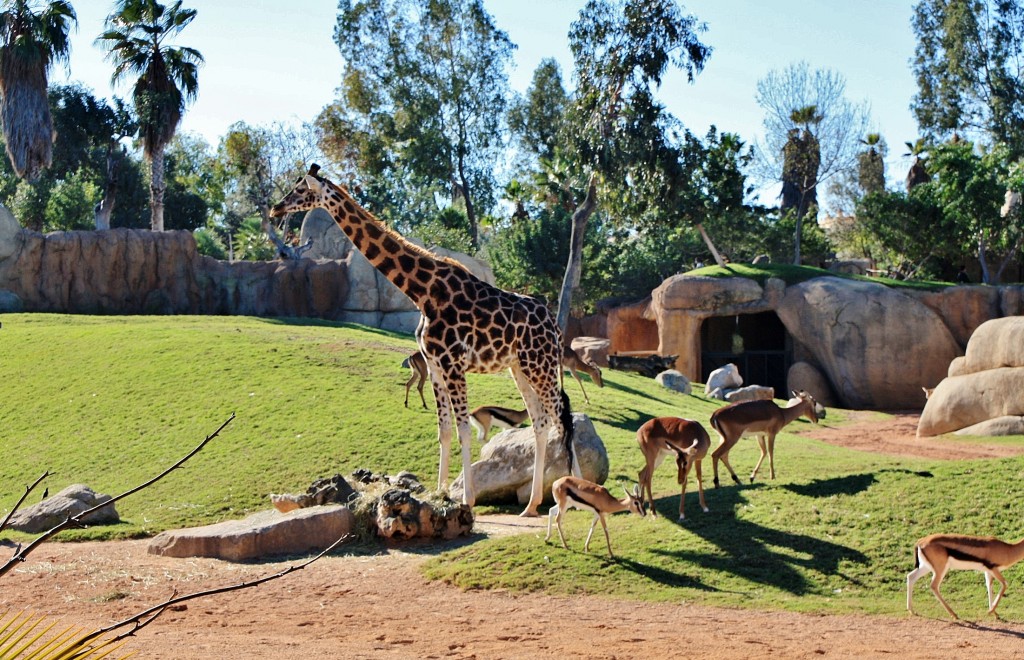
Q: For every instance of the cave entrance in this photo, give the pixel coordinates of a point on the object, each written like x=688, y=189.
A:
x=758, y=344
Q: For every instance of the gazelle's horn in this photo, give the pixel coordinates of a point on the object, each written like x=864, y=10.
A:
x=313, y=169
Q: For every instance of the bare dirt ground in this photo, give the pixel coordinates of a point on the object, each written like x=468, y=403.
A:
x=380, y=606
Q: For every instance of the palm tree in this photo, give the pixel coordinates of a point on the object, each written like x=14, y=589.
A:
x=871, y=164
x=918, y=173
x=801, y=161
x=167, y=78
x=31, y=39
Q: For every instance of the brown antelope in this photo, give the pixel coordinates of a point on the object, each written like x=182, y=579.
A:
x=418, y=364
x=572, y=361
x=686, y=440
x=484, y=417
x=575, y=493
x=939, y=553
x=762, y=418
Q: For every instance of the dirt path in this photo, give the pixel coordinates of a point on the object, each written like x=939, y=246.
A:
x=380, y=606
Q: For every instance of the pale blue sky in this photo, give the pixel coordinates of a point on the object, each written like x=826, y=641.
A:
x=275, y=60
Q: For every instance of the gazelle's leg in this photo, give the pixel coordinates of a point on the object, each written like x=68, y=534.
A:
x=936, y=582
x=771, y=454
x=700, y=486
x=580, y=381
x=552, y=512
x=1002, y=588
x=764, y=450
x=558, y=521
x=607, y=539
x=684, y=476
x=593, y=524
x=912, y=577
x=720, y=455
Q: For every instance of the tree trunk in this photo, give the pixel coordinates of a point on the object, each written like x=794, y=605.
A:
x=156, y=188
x=572, y=270
x=982, y=249
x=106, y=206
x=470, y=210
x=798, y=236
x=711, y=246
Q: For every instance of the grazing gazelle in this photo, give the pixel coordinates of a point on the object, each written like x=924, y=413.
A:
x=762, y=418
x=572, y=361
x=484, y=417
x=683, y=438
x=939, y=553
x=418, y=364
x=576, y=493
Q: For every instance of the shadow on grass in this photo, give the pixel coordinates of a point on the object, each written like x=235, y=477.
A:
x=662, y=576
x=850, y=484
x=757, y=553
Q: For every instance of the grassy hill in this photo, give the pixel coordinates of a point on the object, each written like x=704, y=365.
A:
x=112, y=401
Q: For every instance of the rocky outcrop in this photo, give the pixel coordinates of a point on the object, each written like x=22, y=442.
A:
x=71, y=501
x=1009, y=425
x=134, y=271
x=988, y=385
x=876, y=345
x=504, y=472
x=723, y=378
x=261, y=534
x=402, y=516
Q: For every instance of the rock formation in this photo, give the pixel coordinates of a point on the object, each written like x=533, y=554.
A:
x=54, y=510
x=504, y=472
x=985, y=386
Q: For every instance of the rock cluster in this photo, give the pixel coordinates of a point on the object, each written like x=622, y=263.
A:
x=983, y=393
x=402, y=516
x=54, y=510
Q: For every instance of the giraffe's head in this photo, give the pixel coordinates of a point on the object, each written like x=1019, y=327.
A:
x=308, y=193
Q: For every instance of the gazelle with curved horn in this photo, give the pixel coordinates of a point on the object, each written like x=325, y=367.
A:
x=939, y=553
x=683, y=438
x=574, y=363
x=762, y=418
x=576, y=493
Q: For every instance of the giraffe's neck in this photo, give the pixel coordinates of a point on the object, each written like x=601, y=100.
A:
x=406, y=265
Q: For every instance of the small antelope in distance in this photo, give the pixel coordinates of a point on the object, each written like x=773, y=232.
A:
x=686, y=440
x=418, y=364
x=576, y=493
x=572, y=361
x=484, y=417
x=939, y=553
x=762, y=418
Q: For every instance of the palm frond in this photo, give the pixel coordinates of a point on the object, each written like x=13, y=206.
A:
x=26, y=636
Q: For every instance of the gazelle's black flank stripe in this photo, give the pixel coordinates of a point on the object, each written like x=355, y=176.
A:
x=962, y=555
x=504, y=419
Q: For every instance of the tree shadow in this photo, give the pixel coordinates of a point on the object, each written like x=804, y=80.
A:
x=757, y=553
x=662, y=576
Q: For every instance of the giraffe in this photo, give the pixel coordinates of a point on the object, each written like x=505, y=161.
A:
x=466, y=325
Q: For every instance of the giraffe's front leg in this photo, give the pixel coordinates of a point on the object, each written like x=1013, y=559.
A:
x=541, y=427
x=444, y=427
x=460, y=411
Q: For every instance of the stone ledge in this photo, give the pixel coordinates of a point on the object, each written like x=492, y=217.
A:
x=261, y=534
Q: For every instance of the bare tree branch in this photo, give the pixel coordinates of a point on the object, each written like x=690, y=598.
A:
x=28, y=490
x=76, y=520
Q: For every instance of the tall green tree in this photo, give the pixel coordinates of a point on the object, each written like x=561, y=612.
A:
x=969, y=63
x=422, y=106
x=165, y=77
x=536, y=118
x=621, y=51
x=795, y=100
x=33, y=35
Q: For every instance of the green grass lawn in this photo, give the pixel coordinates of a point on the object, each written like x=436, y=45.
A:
x=112, y=401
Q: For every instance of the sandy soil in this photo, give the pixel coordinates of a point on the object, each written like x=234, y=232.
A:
x=380, y=607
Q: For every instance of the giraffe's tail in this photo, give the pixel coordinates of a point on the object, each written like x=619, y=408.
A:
x=565, y=417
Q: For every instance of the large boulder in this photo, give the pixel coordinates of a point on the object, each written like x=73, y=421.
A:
x=750, y=393
x=996, y=343
x=808, y=378
x=9, y=230
x=962, y=308
x=71, y=501
x=973, y=398
x=674, y=380
x=877, y=346
x=985, y=385
x=1009, y=425
x=694, y=292
x=723, y=378
x=261, y=534
x=504, y=472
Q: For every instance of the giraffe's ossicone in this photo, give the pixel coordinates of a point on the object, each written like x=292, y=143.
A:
x=466, y=325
